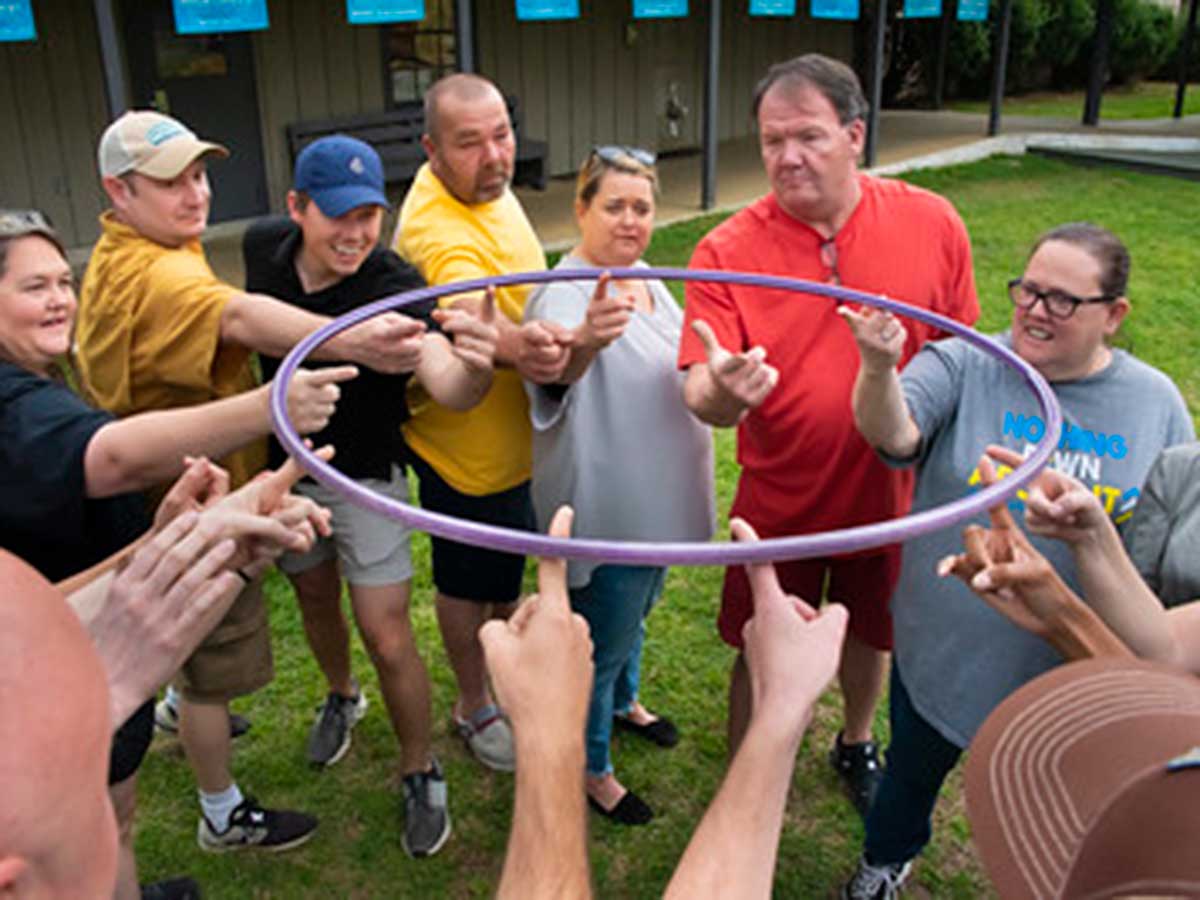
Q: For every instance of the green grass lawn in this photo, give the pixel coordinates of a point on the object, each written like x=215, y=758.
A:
x=1006, y=202
x=1144, y=100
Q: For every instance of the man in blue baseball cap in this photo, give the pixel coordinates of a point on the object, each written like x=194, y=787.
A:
x=324, y=258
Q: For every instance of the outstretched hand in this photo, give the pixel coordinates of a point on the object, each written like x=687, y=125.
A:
x=792, y=651
x=474, y=334
x=744, y=377
x=1002, y=567
x=540, y=659
x=1057, y=506
x=313, y=394
x=606, y=317
x=879, y=334
x=390, y=343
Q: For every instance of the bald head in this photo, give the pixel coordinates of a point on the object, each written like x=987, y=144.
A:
x=57, y=833
x=459, y=88
x=468, y=138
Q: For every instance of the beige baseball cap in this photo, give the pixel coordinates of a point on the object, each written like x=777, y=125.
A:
x=149, y=143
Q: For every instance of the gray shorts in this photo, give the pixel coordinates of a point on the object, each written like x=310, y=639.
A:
x=372, y=550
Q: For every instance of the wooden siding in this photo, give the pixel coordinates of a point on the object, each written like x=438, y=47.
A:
x=603, y=78
x=311, y=64
x=53, y=109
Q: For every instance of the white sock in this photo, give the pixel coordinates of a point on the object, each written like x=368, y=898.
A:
x=217, y=807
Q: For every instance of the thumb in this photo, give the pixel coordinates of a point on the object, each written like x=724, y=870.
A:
x=703, y=331
x=276, y=484
x=487, y=311
x=552, y=571
x=601, y=291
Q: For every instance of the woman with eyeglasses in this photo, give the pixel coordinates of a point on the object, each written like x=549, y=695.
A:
x=956, y=659
x=615, y=441
x=69, y=473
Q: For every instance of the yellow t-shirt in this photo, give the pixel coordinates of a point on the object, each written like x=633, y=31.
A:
x=148, y=334
x=487, y=449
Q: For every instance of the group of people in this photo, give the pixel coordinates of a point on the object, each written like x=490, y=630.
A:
x=594, y=393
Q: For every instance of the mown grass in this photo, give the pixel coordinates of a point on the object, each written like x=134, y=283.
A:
x=1005, y=202
x=1143, y=100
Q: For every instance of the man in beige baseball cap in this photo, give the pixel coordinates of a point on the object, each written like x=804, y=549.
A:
x=151, y=144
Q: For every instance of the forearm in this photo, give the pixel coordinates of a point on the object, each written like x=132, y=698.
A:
x=881, y=413
x=1116, y=592
x=1184, y=622
x=1079, y=633
x=732, y=852
x=581, y=356
x=147, y=449
x=708, y=401
x=449, y=380
x=266, y=325
x=547, y=847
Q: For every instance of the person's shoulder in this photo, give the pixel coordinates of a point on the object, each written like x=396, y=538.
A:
x=266, y=233
x=740, y=230
x=1128, y=367
x=1180, y=464
x=894, y=195
x=15, y=382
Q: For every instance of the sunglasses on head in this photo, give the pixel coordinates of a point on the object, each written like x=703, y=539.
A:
x=20, y=222
x=615, y=153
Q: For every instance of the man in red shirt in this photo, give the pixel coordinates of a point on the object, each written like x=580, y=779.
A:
x=780, y=365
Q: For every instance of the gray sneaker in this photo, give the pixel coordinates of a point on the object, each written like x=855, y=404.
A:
x=330, y=736
x=876, y=882
x=490, y=738
x=426, y=814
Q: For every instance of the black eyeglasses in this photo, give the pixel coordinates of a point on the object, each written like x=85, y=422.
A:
x=829, y=259
x=613, y=154
x=20, y=222
x=1058, y=304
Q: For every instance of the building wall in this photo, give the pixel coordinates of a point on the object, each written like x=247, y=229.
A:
x=311, y=64
x=606, y=78
x=53, y=108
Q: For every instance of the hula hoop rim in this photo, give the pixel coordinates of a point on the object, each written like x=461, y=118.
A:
x=828, y=543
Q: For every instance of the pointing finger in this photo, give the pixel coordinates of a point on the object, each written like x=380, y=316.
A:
x=552, y=571
x=764, y=582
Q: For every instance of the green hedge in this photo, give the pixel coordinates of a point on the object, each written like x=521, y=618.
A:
x=1050, y=48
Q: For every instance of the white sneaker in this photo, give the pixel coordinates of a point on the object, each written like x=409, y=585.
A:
x=490, y=738
x=876, y=882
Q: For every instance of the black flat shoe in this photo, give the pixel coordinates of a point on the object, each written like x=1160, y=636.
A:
x=630, y=810
x=661, y=731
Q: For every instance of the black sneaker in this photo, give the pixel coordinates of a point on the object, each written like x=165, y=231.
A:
x=860, y=770
x=426, y=813
x=330, y=736
x=172, y=889
x=252, y=827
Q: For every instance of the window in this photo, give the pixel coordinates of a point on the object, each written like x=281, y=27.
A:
x=416, y=54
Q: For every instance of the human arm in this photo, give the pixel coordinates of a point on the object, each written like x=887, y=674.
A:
x=1150, y=527
x=148, y=448
x=389, y=343
x=540, y=662
x=537, y=349
x=792, y=653
x=881, y=413
x=147, y=607
x=724, y=388
x=457, y=373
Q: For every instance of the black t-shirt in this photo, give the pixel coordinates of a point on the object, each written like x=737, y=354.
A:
x=46, y=517
x=366, y=427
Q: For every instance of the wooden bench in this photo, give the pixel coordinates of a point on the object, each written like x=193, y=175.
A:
x=396, y=136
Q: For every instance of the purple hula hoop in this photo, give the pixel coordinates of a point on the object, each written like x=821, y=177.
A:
x=669, y=553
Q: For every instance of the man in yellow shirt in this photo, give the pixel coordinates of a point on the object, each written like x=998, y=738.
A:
x=459, y=221
x=157, y=329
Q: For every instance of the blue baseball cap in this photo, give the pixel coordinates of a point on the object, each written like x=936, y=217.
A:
x=340, y=173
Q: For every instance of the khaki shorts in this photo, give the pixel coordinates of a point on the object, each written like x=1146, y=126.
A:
x=235, y=659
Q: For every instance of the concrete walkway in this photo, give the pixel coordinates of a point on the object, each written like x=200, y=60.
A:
x=908, y=139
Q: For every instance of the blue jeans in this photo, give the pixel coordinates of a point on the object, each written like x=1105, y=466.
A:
x=615, y=604
x=918, y=760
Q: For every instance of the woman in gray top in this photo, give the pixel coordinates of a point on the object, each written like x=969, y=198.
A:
x=955, y=659
x=616, y=442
